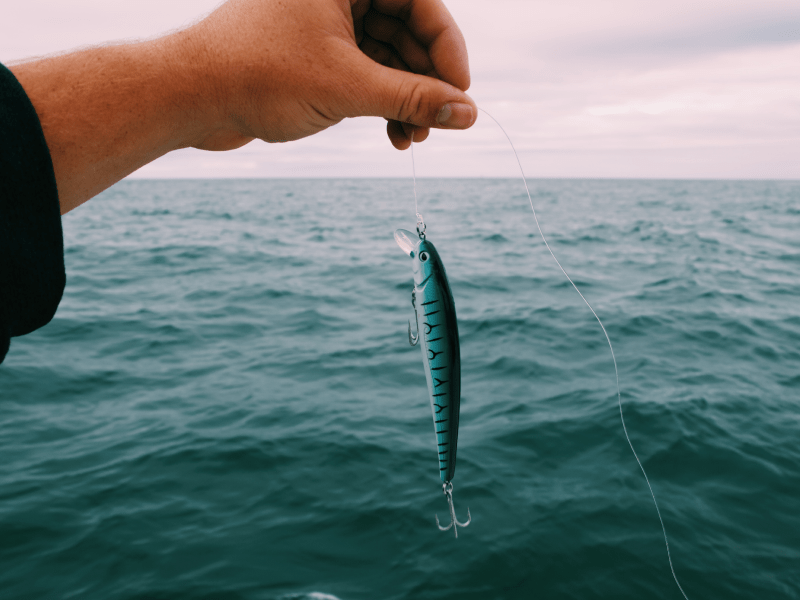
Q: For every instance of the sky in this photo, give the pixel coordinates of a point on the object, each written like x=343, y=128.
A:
x=584, y=88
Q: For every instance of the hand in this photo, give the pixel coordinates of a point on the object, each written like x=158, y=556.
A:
x=277, y=70
x=281, y=70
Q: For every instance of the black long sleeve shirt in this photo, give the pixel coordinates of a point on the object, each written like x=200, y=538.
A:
x=32, y=275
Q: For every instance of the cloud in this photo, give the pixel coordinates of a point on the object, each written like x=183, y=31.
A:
x=690, y=39
x=618, y=88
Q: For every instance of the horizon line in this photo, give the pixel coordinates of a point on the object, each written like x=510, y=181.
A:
x=535, y=178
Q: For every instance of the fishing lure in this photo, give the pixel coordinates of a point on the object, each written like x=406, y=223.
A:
x=441, y=356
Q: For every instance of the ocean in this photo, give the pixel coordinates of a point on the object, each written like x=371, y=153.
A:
x=226, y=404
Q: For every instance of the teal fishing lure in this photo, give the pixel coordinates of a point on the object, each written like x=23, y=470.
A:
x=437, y=336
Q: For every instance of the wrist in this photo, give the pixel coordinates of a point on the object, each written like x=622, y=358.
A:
x=185, y=90
x=202, y=102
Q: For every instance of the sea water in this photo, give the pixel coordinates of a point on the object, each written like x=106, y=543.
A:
x=226, y=404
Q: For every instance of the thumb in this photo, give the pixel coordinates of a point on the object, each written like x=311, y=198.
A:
x=411, y=98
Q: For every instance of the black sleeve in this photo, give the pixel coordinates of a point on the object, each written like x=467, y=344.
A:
x=32, y=276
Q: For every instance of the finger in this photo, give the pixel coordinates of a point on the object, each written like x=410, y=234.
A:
x=382, y=54
x=397, y=136
x=394, y=32
x=407, y=97
x=420, y=133
x=431, y=24
x=359, y=8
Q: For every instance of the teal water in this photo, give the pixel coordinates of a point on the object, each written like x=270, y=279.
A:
x=226, y=405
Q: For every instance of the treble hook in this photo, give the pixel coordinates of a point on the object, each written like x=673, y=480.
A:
x=413, y=339
x=447, y=487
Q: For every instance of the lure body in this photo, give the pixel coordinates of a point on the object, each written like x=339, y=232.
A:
x=437, y=331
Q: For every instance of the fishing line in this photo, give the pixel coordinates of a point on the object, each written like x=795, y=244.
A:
x=414, y=175
x=608, y=339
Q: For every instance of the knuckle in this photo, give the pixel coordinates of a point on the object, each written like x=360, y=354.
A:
x=413, y=104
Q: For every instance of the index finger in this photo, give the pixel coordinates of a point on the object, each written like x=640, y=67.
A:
x=432, y=24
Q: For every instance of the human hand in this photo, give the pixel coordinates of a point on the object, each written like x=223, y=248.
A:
x=277, y=70
x=281, y=70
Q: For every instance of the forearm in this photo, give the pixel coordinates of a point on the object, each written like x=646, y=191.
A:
x=108, y=111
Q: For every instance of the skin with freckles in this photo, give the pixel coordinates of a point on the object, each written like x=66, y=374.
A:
x=275, y=70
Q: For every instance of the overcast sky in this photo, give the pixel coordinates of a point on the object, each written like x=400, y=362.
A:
x=602, y=88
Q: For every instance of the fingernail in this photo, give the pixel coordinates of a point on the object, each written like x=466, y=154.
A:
x=456, y=115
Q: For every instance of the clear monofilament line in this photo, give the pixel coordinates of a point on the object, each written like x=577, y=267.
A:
x=613, y=357
x=414, y=175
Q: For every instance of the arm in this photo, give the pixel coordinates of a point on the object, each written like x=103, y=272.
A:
x=277, y=70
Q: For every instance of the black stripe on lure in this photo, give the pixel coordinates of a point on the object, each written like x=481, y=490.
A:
x=436, y=314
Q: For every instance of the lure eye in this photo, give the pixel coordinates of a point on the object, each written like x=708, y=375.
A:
x=423, y=256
